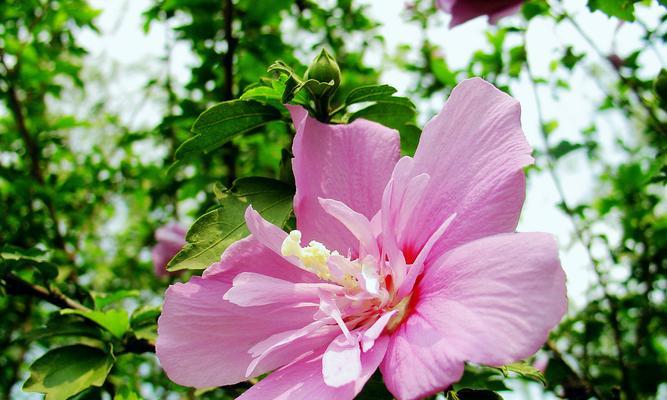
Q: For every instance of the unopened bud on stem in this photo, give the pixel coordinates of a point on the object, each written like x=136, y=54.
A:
x=324, y=69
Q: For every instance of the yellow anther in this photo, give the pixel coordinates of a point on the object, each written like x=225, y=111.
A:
x=314, y=257
x=292, y=245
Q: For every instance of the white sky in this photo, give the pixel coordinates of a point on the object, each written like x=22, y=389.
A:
x=127, y=57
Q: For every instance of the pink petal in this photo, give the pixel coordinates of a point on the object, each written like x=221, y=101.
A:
x=249, y=255
x=497, y=298
x=371, y=334
x=418, y=362
x=170, y=240
x=204, y=341
x=252, y=289
x=341, y=363
x=303, y=380
x=465, y=10
x=492, y=301
x=356, y=223
x=172, y=232
x=474, y=152
x=161, y=254
x=349, y=163
x=292, y=339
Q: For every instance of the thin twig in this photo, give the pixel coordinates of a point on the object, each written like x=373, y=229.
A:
x=657, y=124
x=18, y=286
x=579, y=233
x=31, y=145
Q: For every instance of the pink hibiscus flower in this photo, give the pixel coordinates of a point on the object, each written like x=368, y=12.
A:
x=465, y=10
x=411, y=265
x=170, y=240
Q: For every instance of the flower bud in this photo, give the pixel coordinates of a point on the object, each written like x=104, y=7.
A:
x=324, y=69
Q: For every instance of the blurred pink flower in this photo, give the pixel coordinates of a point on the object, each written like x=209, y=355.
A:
x=411, y=265
x=465, y=10
x=541, y=363
x=170, y=240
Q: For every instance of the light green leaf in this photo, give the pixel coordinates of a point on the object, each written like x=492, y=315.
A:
x=473, y=394
x=66, y=371
x=104, y=299
x=214, y=231
x=115, y=321
x=222, y=122
x=525, y=370
x=261, y=93
x=369, y=93
x=127, y=394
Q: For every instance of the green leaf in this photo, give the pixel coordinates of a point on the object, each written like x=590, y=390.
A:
x=13, y=258
x=442, y=72
x=525, y=370
x=660, y=86
x=623, y=9
x=564, y=147
x=126, y=394
x=66, y=371
x=261, y=93
x=410, y=134
x=65, y=325
x=214, y=231
x=144, y=316
x=479, y=377
x=369, y=93
x=570, y=58
x=550, y=126
x=374, y=389
x=473, y=394
x=533, y=8
x=222, y=122
x=104, y=299
x=388, y=114
x=115, y=321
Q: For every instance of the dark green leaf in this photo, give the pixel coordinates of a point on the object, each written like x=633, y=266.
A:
x=214, y=231
x=14, y=258
x=533, y=8
x=564, y=147
x=66, y=371
x=369, y=93
x=660, y=87
x=222, y=122
x=65, y=325
x=623, y=9
x=388, y=114
x=374, y=389
x=478, y=377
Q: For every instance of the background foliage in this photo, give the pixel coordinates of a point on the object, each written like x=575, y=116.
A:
x=82, y=191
